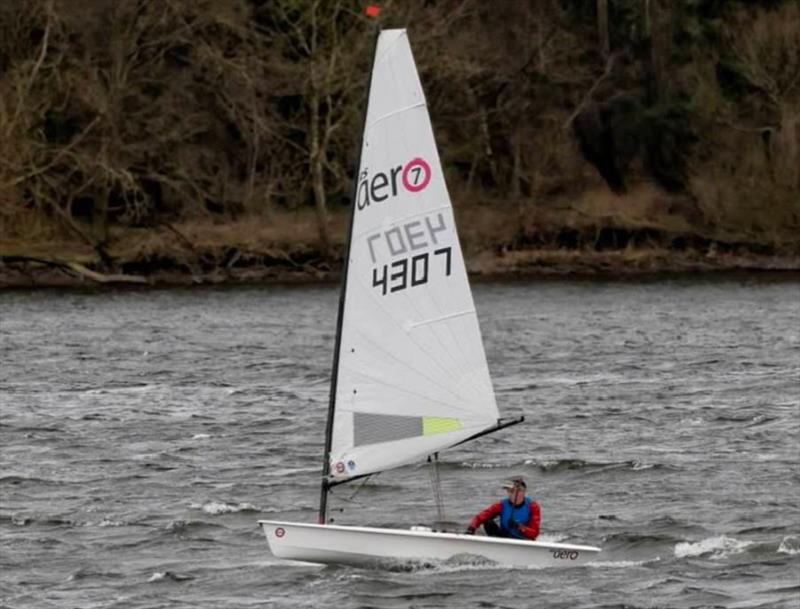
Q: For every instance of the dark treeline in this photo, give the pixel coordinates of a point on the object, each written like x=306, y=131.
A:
x=135, y=115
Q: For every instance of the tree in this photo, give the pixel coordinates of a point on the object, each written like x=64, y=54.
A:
x=320, y=50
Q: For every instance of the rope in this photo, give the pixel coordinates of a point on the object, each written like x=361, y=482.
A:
x=436, y=485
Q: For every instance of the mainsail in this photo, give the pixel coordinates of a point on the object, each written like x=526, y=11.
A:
x=412, y=376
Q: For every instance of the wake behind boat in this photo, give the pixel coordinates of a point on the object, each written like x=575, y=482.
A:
x=410, y=376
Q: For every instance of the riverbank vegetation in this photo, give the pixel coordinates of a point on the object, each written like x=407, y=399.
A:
x=215, y=141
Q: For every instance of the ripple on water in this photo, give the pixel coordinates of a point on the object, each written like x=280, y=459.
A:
x=144, y=433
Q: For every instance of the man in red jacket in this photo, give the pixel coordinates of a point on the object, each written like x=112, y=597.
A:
x=519, y=515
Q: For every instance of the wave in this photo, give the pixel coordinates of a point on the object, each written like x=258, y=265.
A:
x=723, y=546
x=715, y=548
x=470, y=562
x=293, y=471
x=15, y=480
x=160, y=576
x=763, y=529
x=186, y=526
x=215, y=508
x=552, y=537
x=107, y=522
x=31, y=430
x=620, y=564
x=90, y=574
x=455, y=564
x=549, y=466
x=518, y=388
x=630, y=538
x=24, y=521
x=119, y=388
x=473, y=465
x=748, y=420
x=790, y=545
x=159, y=467
x=781, y=590
x=54, y=521
x=558, y=465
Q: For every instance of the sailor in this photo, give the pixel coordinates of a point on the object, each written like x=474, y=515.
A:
x=519, y=515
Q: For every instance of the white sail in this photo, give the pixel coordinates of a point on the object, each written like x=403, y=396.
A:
x=412, y=376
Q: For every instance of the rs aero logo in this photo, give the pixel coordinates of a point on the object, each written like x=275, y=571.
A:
x=566, y=554
x=413, y=177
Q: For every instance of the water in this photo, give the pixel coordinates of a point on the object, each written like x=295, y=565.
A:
x=144, y=433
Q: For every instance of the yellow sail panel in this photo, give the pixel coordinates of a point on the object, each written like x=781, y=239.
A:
x=434, y=425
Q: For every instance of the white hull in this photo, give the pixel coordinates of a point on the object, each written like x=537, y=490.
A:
x=369, y=546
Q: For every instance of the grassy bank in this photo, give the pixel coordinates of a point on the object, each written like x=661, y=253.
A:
x=598, y=234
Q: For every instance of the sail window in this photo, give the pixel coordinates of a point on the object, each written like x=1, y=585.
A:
x=369, y=428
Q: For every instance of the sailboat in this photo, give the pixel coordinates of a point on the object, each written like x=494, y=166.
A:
x=410, y=376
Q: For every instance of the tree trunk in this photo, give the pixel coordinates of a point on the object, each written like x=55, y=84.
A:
x=660, y=36
x=602, y=27
x=786, y=143
x=487, y=147
x=254, y=151
x=317, y=175
x=516, y=185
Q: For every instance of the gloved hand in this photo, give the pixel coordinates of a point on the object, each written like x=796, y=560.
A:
x=513, y=525
x=470, y=531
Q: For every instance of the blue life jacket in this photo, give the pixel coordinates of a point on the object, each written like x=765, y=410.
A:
x=521, y=513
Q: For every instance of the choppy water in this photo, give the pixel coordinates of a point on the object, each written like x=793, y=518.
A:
x=144, y=433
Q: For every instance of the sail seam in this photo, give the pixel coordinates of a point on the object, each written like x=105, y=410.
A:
x=464, y=377
x=473, y=380
x=402, y=389
x=421, y=104
x=445, y=369
x=449, y=371
x=442, y=318
x=467, y=376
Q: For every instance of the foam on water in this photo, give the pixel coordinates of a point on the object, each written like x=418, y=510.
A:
x=215, y=508
x=716, y=547
x=790, y=545
x=552, y=537
x=160, y=576
x=620, y=564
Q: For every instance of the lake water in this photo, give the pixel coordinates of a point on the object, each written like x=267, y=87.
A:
x=143, y=434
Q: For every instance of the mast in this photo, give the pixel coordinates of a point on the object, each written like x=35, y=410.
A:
x=323, y=496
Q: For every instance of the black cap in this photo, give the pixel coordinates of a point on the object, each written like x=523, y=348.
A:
x=515, y=482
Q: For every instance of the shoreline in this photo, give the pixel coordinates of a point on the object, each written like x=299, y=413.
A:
x=486, y=266
x=591, y=238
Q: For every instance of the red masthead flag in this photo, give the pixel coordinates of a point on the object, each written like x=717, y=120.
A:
x=372, y=11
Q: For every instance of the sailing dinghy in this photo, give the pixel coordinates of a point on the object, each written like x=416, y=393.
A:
x=410, y=376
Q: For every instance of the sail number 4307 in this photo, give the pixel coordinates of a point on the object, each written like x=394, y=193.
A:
x=410, y=272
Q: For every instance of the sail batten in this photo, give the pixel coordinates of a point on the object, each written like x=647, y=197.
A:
x=421, y=104
x=412, y=377
x=433, y=320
